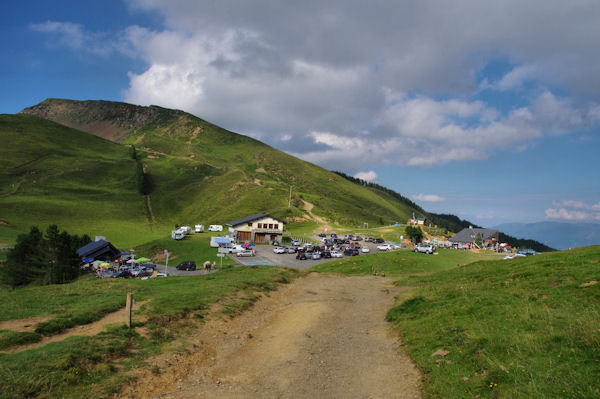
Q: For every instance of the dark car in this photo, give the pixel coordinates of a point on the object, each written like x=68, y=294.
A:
x=301, y=255
x=325, y=254
x=351, y=251
x=322, y=235
x=187, y=265
x=378, y=240
x=122, y=274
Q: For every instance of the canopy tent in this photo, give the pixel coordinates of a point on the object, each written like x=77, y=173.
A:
x=247, y=245
x=142, y=260
x=104, y=264
x=125, y=253
x=88, y=260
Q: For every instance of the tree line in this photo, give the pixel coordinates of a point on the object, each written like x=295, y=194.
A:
x=43, y=259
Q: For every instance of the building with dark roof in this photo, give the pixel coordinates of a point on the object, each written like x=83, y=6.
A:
x=258, y=228
x=99, y=250
x=469, y=235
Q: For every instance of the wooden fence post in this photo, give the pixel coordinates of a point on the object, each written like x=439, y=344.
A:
x=128, y=309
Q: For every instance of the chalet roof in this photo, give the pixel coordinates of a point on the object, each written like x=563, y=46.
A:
x=98, y=248
x=469, y=234
x=251, y=219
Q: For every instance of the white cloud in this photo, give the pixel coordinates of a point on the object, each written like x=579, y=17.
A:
x=566, y=214
x=401, y=90
x=428, y=198
x=574, y=210
x=513, y=79
x=75, y=37
x=369, y=176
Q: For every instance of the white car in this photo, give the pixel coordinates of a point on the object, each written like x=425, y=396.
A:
x=336, y=254
x=425, y=248
x=384, y=247
x=245, y=252
x=279, y=250
x=365, y=250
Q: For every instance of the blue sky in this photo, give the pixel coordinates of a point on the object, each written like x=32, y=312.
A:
x=487, y=111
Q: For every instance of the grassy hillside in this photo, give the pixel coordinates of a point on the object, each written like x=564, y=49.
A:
x=520, y=328
x=53, y=174
x=201, y=173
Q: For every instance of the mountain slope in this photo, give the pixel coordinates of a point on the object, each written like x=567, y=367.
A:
x=201, y=173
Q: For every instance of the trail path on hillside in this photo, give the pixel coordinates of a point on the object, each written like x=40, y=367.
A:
x=322, y=336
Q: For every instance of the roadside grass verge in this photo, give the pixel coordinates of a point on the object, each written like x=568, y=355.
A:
x=91, y=367
x=521, y=328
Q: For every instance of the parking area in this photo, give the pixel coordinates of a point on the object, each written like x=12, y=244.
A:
x=266, y=256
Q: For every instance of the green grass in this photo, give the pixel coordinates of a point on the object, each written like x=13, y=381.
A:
x=194, y=247
x=403, y=263
x=523, y=328
x=87, y=367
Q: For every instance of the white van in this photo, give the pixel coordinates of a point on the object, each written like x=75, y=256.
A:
x=177, y=234
x=215, y=227
x=199, y=228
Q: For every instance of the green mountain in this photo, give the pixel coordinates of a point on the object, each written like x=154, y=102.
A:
x=86, y=183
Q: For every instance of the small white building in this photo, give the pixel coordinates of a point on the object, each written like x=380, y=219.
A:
x=259, y=228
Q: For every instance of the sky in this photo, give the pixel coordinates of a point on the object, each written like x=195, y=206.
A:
x=486, y=110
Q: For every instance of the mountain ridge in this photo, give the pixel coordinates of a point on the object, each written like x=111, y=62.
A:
x=203, y=172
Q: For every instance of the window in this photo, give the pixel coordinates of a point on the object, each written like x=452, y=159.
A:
x=260, y=225
x=276, y=226
x=270, y=226
x=250, y=224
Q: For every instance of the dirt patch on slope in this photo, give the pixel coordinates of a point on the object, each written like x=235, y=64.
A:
x=320, y=337
x=86, y=330
x=23, y=325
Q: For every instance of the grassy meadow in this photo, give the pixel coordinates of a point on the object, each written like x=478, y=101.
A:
x=520, y=328
x=92, y=367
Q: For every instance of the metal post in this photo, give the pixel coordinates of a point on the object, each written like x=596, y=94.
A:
x=290, y=198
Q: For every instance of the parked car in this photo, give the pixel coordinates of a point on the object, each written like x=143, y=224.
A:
x=322, y=235
x=351, y=251
x=301, y=255
x=336, y=254
x=384, y=247
x=279, y=250
x=365, y=250
x=245, y=252
x=326, y=254
x=291, y=250
x=296, y=243
x=425, y=248
x=378, y=240
x=315, y=256
x=187, y=265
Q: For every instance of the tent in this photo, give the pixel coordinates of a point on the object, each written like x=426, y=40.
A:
x=131, y=261
x=247, y=245
x=142, y=260
x=88, y=260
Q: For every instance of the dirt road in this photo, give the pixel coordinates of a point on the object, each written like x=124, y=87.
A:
x=321, y=337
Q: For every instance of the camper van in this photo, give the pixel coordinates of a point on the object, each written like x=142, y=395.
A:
x=215, y=227
x=177, y=234
x=199, y=228
x=185, y=229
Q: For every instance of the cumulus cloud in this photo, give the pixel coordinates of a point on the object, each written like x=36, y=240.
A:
x=349, y=85
x=369, y=176
x=428, y=198
x=574, y=210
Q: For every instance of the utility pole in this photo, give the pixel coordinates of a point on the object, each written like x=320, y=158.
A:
x=290, y=198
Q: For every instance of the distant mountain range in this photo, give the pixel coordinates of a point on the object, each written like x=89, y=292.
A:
x=557, y=235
